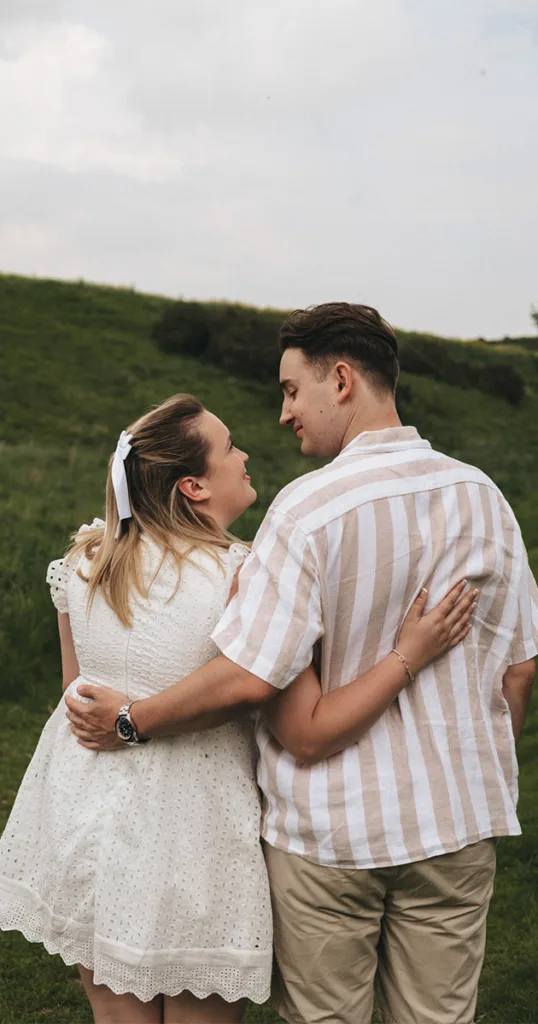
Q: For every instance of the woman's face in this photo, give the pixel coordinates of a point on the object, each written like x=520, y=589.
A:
x=227, y=488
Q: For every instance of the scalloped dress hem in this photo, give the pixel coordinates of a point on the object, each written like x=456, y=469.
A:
x=231, y=983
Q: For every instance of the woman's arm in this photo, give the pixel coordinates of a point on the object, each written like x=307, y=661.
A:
x=312, y=727
x=70, y=669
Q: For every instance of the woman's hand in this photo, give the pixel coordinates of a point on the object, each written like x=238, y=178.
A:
x=423, y=638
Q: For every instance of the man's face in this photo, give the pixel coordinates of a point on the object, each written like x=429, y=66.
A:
x=310, y=405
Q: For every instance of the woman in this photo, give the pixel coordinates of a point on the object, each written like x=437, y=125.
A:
x=144, y=867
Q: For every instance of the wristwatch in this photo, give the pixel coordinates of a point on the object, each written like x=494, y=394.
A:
x=125, y=728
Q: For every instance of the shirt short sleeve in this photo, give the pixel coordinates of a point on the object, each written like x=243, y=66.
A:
x=525, y=642
x=271, y=625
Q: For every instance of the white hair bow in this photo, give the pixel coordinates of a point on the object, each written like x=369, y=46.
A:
x=119, y=479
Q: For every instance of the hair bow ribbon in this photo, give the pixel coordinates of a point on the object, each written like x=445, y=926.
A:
x=119, y=479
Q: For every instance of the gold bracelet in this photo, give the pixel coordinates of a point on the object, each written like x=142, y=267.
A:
x=404, y=662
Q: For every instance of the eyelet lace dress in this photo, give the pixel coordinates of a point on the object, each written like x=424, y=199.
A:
x=144, y=864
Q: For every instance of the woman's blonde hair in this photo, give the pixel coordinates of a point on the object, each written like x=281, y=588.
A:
x=167, y=445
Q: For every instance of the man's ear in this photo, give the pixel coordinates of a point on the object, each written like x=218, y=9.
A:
x=194, y=488
x=343, y=375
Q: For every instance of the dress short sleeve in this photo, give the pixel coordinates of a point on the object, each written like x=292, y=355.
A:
x=237, y=554
x=59, y=572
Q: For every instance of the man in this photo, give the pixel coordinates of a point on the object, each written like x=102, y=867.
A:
x=381, y=858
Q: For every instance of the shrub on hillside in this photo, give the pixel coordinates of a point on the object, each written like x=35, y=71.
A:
x=245, y=340
x=240, y=339
x=525, y=341
x=183, y=327
x=458, y=365
x=501, y=379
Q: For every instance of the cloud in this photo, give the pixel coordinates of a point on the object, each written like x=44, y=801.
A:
x=63, y=104
x=281, y=153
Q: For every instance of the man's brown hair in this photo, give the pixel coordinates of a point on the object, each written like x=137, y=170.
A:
x=336, y=330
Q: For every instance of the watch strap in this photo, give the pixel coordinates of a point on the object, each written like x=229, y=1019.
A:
x=125, y=727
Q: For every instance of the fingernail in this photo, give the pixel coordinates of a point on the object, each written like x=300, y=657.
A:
x=475, y=592
x=463, y=583
x=424, y=591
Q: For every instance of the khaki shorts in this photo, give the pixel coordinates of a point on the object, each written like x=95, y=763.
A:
x=415, y=934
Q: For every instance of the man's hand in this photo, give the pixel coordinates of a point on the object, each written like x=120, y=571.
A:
x=93, y=723
x=216, y=693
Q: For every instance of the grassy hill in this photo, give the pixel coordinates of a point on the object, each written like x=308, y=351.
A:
x=77, y=364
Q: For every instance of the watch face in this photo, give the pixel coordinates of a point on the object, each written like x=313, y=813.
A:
x=125, y=729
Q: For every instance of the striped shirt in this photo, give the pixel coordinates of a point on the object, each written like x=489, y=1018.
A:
x=340, y=557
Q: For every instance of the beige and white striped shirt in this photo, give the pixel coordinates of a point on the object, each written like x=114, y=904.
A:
x=339, y=558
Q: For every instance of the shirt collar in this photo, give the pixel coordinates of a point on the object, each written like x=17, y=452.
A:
x=392, y=439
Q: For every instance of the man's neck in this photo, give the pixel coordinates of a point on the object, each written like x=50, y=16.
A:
x=381, y=419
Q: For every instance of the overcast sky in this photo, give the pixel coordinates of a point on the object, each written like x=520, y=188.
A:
x=279, y=153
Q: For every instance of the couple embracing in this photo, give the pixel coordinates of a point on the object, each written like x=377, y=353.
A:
x=378, y=638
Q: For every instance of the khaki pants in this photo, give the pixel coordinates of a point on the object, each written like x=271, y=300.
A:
x=415, y=933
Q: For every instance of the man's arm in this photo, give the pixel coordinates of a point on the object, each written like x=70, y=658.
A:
x=279, y=592
x=212, y=695
x=517, y=689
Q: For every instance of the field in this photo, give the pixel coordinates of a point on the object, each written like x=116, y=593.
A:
x=76, y=366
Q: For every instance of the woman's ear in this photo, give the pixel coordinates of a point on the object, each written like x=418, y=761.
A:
x=194, y=488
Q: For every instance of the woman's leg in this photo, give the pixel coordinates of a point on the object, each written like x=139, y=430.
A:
x=187, y=1009
x=109, y=1008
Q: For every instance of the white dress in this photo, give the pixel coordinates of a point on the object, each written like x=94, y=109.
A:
x=144, y=864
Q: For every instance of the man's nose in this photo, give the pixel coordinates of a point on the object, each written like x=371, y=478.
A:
x=285, y=416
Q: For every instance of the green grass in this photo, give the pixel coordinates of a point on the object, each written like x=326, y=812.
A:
x=76, y=366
